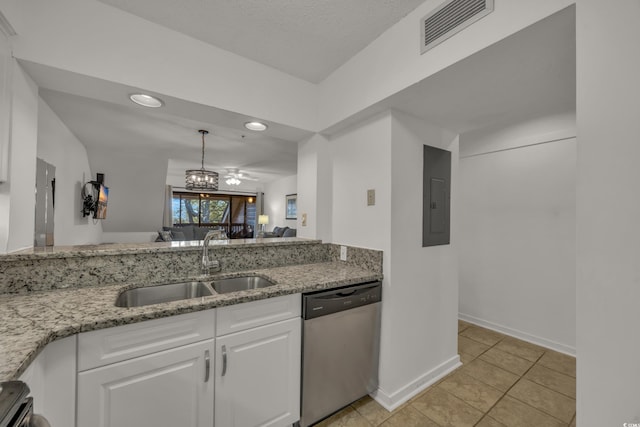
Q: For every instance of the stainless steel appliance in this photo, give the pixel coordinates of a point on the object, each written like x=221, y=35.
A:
x=340, y=352
x=16, y=408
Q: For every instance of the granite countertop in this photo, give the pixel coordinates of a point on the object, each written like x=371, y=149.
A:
x=83, y=251
x=31, y=321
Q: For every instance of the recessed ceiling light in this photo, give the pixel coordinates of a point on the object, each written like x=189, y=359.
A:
x=255, y=126
x=146, y=100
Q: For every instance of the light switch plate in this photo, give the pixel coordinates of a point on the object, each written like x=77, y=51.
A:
x=371, y=197
x=304, y=219
x=343, y=253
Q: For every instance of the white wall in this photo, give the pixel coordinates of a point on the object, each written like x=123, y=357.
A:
x=361, y=161
x=517, y=230
x=420, y=297
x=274, y=201
x=6, y=65
x=421, y=301
x=315, y=188
x=59, y=147
x=608, y=212
x=79, y=36
x=17, y=199
x=136, y=182
x=393, y=62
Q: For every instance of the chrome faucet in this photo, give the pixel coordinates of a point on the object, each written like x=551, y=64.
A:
x=208, y=264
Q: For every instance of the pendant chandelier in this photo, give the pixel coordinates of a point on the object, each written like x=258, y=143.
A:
x=201, y=179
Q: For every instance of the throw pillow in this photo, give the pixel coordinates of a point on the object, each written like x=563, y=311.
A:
x=164, y=236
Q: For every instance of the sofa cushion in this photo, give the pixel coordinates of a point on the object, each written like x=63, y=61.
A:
x=281, y=231
x=178, y=236
x=289, y=232
x=187, y=230
x=200, y=232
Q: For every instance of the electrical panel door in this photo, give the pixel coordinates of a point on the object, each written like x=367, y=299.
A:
x=436, y=197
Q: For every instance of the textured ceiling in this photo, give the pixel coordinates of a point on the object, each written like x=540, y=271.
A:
x=529, y=74
x=305, y=38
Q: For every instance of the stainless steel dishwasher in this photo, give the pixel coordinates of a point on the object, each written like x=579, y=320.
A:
x=340, y=350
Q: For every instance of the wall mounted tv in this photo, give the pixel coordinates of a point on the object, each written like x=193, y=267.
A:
x=101, y=204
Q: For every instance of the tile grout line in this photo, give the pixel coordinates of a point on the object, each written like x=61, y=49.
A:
x=525, y=403
x=514, y=384
x=504, y=394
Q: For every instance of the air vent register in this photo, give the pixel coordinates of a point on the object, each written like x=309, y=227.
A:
x=450, y=18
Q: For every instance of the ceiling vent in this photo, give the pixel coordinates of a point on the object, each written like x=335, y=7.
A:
x=450, y=18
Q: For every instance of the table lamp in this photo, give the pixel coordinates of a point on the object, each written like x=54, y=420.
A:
x=262, y=221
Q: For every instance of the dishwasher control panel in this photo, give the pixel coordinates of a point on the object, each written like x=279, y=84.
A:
x=332, y=301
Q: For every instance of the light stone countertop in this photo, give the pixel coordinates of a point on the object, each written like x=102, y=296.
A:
x=83, y=251
x=31, y=321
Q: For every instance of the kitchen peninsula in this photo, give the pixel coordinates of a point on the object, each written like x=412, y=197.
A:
x=46, y=295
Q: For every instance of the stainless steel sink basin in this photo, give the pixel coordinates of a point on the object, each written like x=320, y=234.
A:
x=234, y=284
x=163, y=293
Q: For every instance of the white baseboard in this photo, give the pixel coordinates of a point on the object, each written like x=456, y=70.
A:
x=553, y=345
x=391, y=401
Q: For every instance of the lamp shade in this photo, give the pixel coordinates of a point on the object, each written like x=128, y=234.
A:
x=263, y=219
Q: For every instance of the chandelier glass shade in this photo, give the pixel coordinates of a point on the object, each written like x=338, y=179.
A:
x=201, y=179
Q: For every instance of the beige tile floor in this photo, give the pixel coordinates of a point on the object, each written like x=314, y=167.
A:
x=503, y=382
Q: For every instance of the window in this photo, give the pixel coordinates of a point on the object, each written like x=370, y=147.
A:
x=235, y=214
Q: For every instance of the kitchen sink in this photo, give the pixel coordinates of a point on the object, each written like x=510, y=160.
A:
x=163, y=293
x=234, y=284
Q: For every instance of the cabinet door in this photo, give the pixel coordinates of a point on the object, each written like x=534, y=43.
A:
x=165, y=389
x=258, y=376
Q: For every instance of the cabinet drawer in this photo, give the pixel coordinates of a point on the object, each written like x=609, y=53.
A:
x=105, y=346
x=235, y=318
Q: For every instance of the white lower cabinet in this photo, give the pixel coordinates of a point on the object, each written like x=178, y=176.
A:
x=162, y=373
x=169, y=388
x=258, y=376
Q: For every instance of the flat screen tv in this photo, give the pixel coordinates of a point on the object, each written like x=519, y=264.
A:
x=101, y=204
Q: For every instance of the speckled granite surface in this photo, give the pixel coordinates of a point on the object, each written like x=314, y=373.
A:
x=84, y=251
x=62, y=268
x=30, y=320
x=361, y=257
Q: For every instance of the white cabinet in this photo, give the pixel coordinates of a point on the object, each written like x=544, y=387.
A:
x=162, y=373
x=157, y=373
x=51, y=378
x=164, y=389
x=258, y=368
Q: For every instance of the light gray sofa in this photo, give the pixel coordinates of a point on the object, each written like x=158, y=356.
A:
x=281, y=232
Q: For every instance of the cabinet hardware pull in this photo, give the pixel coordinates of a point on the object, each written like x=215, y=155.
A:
x=224, y=360
x=207, y=365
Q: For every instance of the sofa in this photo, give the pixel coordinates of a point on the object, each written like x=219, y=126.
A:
x=281, y=232
x=195, y=232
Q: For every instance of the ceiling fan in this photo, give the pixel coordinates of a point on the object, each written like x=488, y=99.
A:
x=235, y=176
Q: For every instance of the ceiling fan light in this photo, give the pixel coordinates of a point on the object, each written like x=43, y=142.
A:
x=256, y=126
x=146, y=100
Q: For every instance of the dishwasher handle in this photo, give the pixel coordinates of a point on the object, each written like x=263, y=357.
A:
x=333, y=301
x=346, y=293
